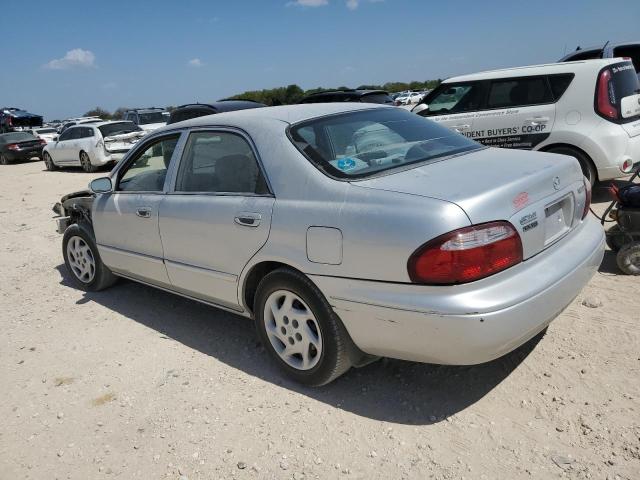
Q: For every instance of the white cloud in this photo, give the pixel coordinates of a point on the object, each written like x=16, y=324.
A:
x=73, y=58
x=309, y=3
x=352, y=4
x=196, y=63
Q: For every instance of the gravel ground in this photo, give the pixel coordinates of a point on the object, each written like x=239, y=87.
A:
x=133, y=382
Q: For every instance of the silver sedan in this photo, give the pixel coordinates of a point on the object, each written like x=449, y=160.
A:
x=346, y=231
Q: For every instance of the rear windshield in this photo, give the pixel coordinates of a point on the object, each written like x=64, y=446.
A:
x=151, y=117
x=377, y=98
x=364, y=143
x=629, y=51
x=15, y=137
x=625, y=83
x=118, y=128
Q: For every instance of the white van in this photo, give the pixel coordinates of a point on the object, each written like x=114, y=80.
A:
x=587, y=109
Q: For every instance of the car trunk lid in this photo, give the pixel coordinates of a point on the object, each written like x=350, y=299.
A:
x=541, y=194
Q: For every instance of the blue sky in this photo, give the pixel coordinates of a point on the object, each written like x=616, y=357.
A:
x=62, y=58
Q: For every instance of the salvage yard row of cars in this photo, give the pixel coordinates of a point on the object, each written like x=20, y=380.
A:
x=349, y=229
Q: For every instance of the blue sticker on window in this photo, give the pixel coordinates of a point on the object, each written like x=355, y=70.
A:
x=346, y=163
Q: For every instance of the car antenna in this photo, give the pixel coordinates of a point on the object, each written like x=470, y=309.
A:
x=605, y=46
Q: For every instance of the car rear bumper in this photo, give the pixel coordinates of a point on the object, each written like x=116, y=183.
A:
x=472, y=323
x=15, y=156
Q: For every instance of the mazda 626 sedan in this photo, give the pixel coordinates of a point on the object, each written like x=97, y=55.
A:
x=346, y=231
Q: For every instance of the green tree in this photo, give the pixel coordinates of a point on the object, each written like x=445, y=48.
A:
x=98, y=112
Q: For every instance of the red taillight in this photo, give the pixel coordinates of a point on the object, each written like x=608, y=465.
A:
x=13, y=146
x=606, y=108
x=467, y=254
x=587, y=197
x=42, y=141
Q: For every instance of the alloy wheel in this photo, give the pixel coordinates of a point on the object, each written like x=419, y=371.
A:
x=81, y=260
x=292, y=329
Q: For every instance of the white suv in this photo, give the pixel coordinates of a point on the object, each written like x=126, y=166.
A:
x=589, y=110
x=91, y=145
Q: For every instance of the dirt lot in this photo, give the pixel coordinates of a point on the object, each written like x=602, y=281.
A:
x=133, y=382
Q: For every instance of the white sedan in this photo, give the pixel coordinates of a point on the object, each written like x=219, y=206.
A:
x=91, y=145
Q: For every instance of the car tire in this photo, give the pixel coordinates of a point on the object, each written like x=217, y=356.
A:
x=48, y=162
x=83, y=261
x=628, y=258
x=588, y=169
x=291, y=314
x=4, y=160
x=85, y=162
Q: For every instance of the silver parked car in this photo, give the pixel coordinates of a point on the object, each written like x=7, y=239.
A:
x=347, y=231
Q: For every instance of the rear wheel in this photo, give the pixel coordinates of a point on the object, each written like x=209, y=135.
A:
x=48, y=162
x=628, y=258
x=85, y=162
x=299, y=328
x=4, y=160
x=587, y=166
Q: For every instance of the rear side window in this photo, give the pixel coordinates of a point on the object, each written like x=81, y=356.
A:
x=519, y=92
x=219, y=162
x=559, y=84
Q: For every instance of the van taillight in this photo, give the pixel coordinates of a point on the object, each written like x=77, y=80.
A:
x=467, y=254
x=605, y=96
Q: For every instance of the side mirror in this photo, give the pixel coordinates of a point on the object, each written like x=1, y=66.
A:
x=55, y=139
x=101, y=185
x=421, y=107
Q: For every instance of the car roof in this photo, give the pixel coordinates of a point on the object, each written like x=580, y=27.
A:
x=146, y=110
x=286, y=113
x=544, y=69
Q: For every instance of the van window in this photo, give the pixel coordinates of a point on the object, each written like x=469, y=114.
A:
x=559, y=84
x=519, y=92
x=454, y=98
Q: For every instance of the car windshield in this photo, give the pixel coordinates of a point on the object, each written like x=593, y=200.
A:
x=118, y=128
x=364, y=143
x=15, y=137
x=151, y=117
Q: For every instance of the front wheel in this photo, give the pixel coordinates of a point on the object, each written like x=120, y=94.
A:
x=299, y=328
x=48, y=162
x=85, y=162
x=83, y=261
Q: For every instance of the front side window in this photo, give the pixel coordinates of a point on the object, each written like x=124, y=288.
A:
x=519, y=92
x=148, y=170
x=66, y=135
x=219, y=162
x=361, y=144
x=457, y=98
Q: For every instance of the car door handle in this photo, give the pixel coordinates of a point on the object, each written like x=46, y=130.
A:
x=143, y=212
x=537, y=120
x=247, y=219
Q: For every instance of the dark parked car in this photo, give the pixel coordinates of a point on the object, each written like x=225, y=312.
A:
x=194, y=110
x=608, y=50
x=16, y=146
x=362, y=96
x=12, y=118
